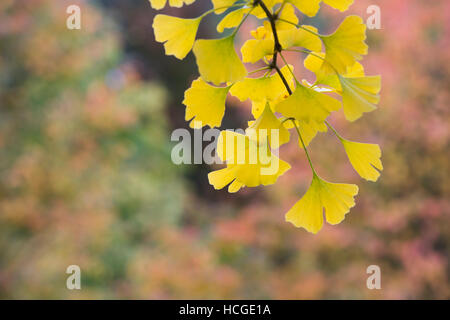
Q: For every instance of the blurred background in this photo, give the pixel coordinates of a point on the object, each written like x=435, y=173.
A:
x=86, y=176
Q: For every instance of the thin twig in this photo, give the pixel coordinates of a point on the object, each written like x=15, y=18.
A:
x=277, y=49
x=277, y=45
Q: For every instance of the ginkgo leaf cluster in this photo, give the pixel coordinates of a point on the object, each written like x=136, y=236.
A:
x=281, y=103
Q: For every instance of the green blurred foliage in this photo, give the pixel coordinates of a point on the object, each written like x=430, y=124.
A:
x=85, y=171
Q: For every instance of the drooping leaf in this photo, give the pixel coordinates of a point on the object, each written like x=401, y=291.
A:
x=335, y=198
x=365, y=158
x=359, y=95
x=346, y=45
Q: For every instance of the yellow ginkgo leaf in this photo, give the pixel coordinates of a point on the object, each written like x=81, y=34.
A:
x=260, y=47
x=336, y=198
x=267, y=127
x=232, y=19
x=355, y=71
x=346, y=45
x=205, y=103
x=341, y=5
x=177, y=33
x=310, y=130
x=262, y=32
x=300, y=38
x=364, y=157
x=307, y=130
x=217, y=60
x=313, y=63
x=221, y=6
x=306, y=104
x=259, y=105
x=287, y=14
x=258, y=108
x=359, y=95
x=160, y=4
x=248, y=163
x=269, y=88
x=308, y=7
x=254, y=50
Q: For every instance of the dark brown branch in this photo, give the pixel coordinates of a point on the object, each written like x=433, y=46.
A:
x=286, y=84
x=277, y=45
x=272, y=19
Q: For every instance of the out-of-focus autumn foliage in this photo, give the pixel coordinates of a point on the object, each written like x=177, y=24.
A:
x=86, y=177
x=85, y=172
